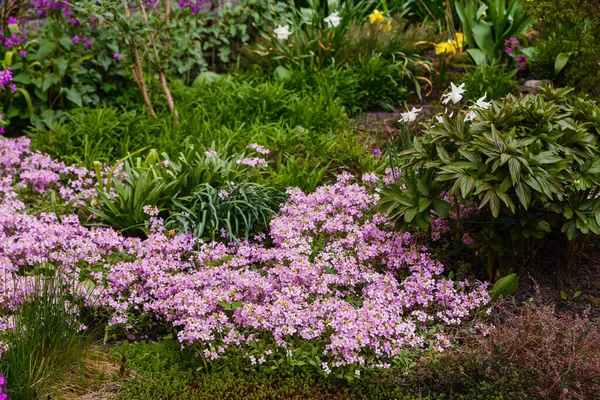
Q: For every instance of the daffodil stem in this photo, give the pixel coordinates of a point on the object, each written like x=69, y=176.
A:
x=385, y=7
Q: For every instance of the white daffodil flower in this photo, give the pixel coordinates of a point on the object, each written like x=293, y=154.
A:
x=455, y=94
x=333, y=20
x=282, y=32
x=410, y=116
x=439, y=118
x=470, y=116
x=482, y=104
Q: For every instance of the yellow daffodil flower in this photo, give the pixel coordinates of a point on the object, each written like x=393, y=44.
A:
x=376, y=17
x=451, y=46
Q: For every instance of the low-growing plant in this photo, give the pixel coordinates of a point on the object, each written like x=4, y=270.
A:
x=42, y=341
x=233, y=211
x=199, y=192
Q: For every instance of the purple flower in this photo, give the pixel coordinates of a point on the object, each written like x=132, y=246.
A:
x=5, y=77
x=13, y=88
x=87, y=42
x=23, y=53
x=117, y=57
x=513, y=41
x=509, y=50
x=73, y=21
x=76, y=39
x=522, y=60
x=1, y=130
x=12, y=20
x=377, y=152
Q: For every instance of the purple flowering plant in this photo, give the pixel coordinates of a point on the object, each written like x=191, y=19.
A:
x=331, y=286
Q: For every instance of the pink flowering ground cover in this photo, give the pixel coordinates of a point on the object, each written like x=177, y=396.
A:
x=331, y=276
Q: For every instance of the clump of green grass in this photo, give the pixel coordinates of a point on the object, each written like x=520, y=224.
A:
x=46, y=347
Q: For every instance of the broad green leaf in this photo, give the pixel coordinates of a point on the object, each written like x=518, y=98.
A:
x=506, y=286
x=74, y=96
x=561, y=61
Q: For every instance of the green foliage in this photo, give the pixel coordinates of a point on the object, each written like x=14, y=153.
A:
x=493, y=80
x=387, y=39
x=521, y=157
x=45, y=343
x=485, y=35
x=236, y=209
x=162, y=370
x=439, y=12
x=506, y=286
x=568, y=53
x=314, y=44
x=200, y=194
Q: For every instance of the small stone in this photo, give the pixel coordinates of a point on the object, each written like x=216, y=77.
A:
x=533, y=86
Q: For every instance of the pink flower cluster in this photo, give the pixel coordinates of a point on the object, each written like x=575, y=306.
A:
x=336, y=273
x=3, y=394
x=26, y=169
x=330, y=272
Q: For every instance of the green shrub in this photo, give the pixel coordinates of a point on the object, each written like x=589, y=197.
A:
x=494, y=81
x=521, y=157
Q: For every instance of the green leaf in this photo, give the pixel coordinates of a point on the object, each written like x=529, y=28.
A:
x=506, y=286
x=423, y=188
x=424, y=204
x=561, y=61
x=410, y=214
x=477, y=55
x=74, y=96
x=206, y=78
x=441, y=208
x=27, y=98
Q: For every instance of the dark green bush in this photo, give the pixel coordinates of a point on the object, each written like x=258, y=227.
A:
x=519, y=158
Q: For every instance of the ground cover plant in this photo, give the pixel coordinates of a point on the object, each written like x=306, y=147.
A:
x=312, y=199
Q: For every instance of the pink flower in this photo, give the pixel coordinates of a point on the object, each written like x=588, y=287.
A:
x=117, y=56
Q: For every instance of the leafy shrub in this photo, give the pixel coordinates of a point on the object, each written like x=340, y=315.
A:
x=521, y=157
x=492, y=80
x=534, y=354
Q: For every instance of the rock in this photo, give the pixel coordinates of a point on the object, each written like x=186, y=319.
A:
x=533, y=86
